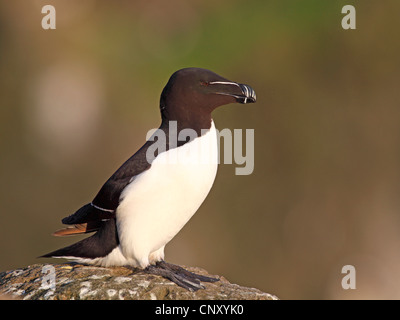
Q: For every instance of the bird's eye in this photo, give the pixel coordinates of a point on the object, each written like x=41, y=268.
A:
x=204, y=83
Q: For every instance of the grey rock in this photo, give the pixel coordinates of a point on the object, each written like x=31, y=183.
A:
x=80, y=282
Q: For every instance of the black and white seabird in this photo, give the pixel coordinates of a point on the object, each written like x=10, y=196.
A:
x=148, y=200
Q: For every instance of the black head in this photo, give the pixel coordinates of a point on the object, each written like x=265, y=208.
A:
x=193, y=93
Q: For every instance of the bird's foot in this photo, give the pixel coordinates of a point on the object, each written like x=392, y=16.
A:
x=178, y=275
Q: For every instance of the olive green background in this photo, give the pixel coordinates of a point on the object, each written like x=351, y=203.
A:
x=77, y=101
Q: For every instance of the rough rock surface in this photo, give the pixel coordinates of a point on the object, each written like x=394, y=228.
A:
x=75, y=281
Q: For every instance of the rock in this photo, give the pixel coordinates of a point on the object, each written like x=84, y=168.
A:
x=80, y=282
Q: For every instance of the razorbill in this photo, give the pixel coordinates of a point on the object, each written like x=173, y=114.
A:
x=148, y=200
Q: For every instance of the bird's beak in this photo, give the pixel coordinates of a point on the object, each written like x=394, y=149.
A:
x=248, y=94
x=241, y=92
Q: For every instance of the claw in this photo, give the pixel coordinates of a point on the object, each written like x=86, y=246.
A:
x=183, y=278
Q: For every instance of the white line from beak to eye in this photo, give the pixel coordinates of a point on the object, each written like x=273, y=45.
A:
x=224, y=82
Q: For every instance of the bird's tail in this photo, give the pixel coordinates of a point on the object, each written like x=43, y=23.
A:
x=98, y=245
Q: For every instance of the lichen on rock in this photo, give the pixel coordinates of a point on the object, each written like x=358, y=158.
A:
x=80, y=282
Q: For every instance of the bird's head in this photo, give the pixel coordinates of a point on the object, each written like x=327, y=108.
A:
x=194, y=91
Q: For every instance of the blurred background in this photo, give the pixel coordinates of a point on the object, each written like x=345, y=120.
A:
x=77, y=101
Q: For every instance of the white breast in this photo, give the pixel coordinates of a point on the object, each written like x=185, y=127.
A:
x=159, y=202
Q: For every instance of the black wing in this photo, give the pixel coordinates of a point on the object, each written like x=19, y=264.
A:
x=109, y=194
x=107, y=199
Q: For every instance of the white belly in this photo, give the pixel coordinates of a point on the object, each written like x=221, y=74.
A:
x=159, y=202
